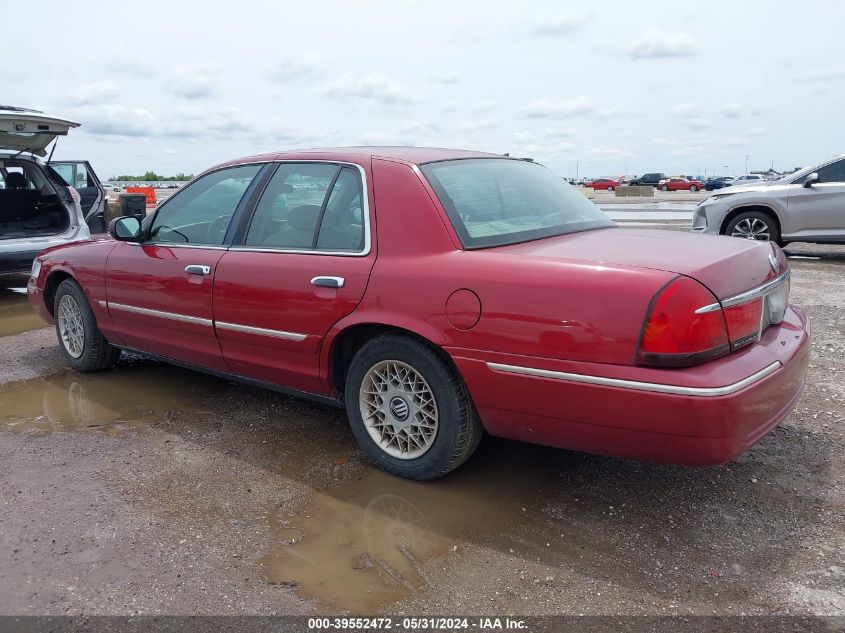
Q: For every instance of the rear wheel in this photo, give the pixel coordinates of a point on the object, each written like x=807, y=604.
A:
x=83, y=346
x=610, y=188
x=409, y=409
x=693, y=188
x=664, y=188
x=754, y=225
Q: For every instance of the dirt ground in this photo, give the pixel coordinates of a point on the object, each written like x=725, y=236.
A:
x=153, y=490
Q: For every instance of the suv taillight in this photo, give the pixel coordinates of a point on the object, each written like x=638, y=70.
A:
x=684, y=326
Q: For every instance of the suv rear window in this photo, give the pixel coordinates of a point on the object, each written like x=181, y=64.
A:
x=494, y=202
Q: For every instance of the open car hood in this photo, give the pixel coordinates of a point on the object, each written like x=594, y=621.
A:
x=30, y=130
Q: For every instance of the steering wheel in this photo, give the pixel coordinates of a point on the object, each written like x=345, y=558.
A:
x=217, y=229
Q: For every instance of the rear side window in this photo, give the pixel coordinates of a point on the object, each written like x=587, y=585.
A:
x=200, y=213
x=310, y=207
x=493, y=202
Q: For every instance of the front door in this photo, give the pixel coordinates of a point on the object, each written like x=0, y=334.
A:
x=303, y=264
x=818, y=211
x=159, y=292
x=92, y=197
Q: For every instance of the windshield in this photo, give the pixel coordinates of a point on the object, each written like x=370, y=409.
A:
x=494, y=202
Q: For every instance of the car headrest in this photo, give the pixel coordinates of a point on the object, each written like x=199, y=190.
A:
x=15, y=180
x=304, y=218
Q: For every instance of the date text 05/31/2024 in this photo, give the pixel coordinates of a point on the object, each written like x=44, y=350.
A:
x=416, y=624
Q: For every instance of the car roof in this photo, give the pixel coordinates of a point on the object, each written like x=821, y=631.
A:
x=408, y=154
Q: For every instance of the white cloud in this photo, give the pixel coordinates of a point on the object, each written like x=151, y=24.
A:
x=193, y=83
x=659, y=45
x=578, y=106
x=698, y=123
x=664, y=141
x=732, y=110
x=820, y=74
x=117, y=120
x=559, y=26
x=93, y=94
x=475, y=126
x=446, y=78
x=297, y=68
x=373, y=88
x=685, y=109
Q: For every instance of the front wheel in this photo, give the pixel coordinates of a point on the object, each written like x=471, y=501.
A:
x=82, y=344
x=693, y=188
x=754, y=225
x=664, y=188
x=610, y=188
x=409, y=409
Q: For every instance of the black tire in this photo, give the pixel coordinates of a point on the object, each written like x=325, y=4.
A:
x=458, y=428
x=693, y=188
x=755, y=216
x=97, y=352
x=664, y=188
x=610, y=188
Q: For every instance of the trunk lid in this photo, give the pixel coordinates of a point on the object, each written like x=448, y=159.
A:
x=30, y=130
x=726, y=265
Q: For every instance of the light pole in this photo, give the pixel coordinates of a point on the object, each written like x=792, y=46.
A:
x=747, y=156
x=726, y=170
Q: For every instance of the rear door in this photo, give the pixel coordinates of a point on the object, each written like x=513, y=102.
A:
x=818, y=211
x=301, y=264
x=80, y=175
x=159, y=292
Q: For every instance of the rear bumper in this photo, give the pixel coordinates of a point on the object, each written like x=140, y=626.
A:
x=701, y=415
x=17, y=263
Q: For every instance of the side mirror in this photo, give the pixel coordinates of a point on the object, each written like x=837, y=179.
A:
x=811, y=180
x=125, y=229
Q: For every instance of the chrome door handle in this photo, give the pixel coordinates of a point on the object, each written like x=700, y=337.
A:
x=196, y=269
x=328, y=282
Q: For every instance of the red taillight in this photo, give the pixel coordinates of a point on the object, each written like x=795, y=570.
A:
x=743, y=322
x=685, y=326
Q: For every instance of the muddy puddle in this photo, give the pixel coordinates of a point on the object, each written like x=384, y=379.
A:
x=130, y=396
x=16, y=315
x=362, y=545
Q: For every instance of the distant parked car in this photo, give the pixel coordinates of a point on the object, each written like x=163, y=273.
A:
x=38, y=208
x=680, y=184
x=747, y=179
x=718, y=183
x=651, y=179
x=603, y=184
x=806, y=206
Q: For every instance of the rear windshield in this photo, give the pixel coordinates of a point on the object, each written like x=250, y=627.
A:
x=494, y=202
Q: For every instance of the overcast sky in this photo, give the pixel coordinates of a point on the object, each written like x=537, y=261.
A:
x=654, y=86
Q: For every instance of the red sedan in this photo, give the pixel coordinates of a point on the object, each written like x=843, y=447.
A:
x=603, y=184
x=437, y=294
x=680, y=184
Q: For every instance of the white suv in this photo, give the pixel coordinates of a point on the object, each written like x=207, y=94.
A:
x=38, y=208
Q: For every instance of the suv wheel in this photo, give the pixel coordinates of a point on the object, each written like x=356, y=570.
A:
x=409, y=409
x=754, y=225
x=82, y=344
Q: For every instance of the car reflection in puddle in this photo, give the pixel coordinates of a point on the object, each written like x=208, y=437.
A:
x=129, y=397
x=362, y=545
x=16, y=315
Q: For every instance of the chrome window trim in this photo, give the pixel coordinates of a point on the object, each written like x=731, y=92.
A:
x=248, y=329
x=636, y=385
x=173, y=245
x=173, y=316
x=365, y=212
x=759, y=291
